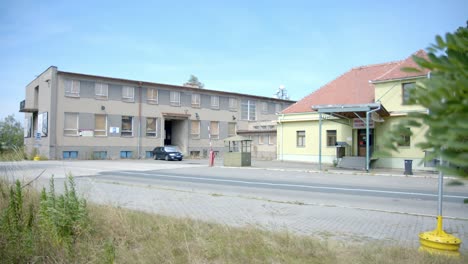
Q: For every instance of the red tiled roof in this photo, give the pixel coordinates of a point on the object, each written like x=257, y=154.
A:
x=354, y=86
x=396, y=73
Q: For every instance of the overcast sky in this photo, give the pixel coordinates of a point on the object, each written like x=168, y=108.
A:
x=242, y=46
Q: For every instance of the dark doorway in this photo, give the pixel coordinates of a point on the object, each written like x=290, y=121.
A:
x=361, y=136
x=168, y=132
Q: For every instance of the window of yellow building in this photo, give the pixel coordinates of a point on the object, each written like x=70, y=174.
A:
x=331, y=138
x=300, y=138
x=406, y=88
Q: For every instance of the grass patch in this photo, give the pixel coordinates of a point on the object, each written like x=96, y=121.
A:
x=16, y=154
x=53, y=228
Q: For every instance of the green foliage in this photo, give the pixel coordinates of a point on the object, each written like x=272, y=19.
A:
x=16, y=225
x=64, y=216
x=193, y=81
x=445, y=95
x=11, y=134
x=109, y=252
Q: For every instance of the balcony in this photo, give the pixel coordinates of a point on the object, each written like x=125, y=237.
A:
x=25, y=109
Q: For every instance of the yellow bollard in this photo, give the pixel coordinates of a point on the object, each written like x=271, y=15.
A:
x=439, y=242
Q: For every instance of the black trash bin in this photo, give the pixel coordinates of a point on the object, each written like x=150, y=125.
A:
x=408, y=167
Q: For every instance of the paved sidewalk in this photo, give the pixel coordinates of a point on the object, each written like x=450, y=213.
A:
x=340, y=223
x=314, y=167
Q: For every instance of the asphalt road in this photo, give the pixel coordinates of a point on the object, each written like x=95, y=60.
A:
x=412, y=195
x=176, y=178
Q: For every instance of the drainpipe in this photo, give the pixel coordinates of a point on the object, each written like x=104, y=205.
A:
x=320, y=141
x=367, y=135
x=280, y=119
x=139, y=120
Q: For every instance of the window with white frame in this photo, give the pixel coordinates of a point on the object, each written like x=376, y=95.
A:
x=128, y=94
x=233, y=104
x=248, y=110
x=175, y=98
x=152, y=95
x=127, y=126
x=195, y=129
x=70, y=124
x=151, y=126
x=231, y=129
x=264, y=107
x=260, y=139
x=101, y=90
x=300, y=138
x=196, y=100
x=271, y=139
x=100, y=125
x=214, y=129
x=215, y=102
x=72, y=88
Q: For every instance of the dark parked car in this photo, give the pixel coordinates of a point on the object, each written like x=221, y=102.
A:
x=167, y=153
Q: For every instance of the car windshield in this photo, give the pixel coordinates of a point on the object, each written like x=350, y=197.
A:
x=171, y=149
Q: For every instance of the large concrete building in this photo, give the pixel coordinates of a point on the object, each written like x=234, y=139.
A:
x=73, y=115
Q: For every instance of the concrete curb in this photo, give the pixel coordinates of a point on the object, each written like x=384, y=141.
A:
x=341, y=172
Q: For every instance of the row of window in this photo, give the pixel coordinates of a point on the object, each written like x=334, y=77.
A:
x=265, y=139
x=301, y=138
x=405, y=140
x=125, y=154
x=71, y=127
x=248, y=107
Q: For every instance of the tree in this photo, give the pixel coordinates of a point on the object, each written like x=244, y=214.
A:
x=194, y=82
x=445, y=96
x=11, y=133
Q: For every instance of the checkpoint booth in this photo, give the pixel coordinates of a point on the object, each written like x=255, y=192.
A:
x=238, y=151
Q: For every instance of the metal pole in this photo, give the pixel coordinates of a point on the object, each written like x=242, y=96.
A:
x=441, y=183
x=320, y=141
x=367, y=141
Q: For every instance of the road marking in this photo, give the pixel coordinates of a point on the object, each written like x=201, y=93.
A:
x=296, y=185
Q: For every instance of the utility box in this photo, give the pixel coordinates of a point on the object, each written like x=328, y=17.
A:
x=408, y=167
x=341, y=147
x=238, y=151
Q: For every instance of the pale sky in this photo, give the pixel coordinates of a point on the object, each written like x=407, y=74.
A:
x=249, y=47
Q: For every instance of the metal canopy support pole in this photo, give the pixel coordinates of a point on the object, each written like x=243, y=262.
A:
x=320, y=141
x=441, y=183
x=367, y=141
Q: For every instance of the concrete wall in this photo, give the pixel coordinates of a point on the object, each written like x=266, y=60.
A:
x=43, y=101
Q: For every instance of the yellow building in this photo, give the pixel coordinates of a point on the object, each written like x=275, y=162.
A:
x=330, y=124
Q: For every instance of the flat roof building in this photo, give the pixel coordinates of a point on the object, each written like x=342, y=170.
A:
x=72, y=115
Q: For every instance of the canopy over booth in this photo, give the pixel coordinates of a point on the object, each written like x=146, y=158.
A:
x=348, y=112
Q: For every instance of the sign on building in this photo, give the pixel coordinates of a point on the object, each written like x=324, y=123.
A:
x=359, y=124
x=114, y=130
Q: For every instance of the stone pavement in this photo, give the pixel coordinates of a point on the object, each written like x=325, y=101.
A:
x=338, y=223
